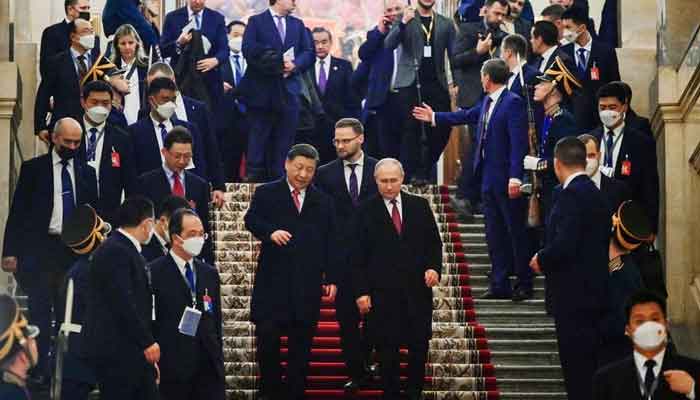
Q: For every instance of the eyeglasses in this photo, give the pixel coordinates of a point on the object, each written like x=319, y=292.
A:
x=344, y=141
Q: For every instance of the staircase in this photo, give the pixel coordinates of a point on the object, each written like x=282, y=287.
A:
x=481, y=349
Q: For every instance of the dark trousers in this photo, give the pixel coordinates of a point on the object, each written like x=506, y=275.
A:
x=321, y=137
x=119, y=380
x=354, y=341
x=75, y=390
x=370, y=120
x=389, y=127
x=268, y=334
x=507, y=240
x=579, y=344
x=205, y=384
x=234, y=143
x=43, y=278
x=467, y=187
x=413, y=152
x=271, y=136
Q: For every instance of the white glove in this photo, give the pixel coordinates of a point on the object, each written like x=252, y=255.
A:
x=607, y=171
x=530, y=163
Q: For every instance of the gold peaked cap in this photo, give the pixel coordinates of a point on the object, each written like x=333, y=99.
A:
x=560, y=74
x=100, y=69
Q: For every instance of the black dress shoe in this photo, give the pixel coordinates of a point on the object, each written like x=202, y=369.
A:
x=415, y=396
x=373, y=369
x=522, y=295
x=489, y=295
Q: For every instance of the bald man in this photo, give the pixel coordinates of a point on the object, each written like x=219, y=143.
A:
x=394, y=267
x=48, y=190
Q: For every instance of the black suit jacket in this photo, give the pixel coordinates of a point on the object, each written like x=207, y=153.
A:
x=577, y=275
x=117, y=170
x=181, y=354
x=118, y=325
x=467, y=63
x=32, y=204
x=60, y=81
x=288, y=278
x=55, y=39
x=643, y=180
x=339, y=100
x=615, y=191
x=619, y=381
x=153, y=250
x=639, y=123
x=586, y=102
x=156, y=186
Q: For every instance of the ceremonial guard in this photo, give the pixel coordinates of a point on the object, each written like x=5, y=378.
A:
x=18, y=351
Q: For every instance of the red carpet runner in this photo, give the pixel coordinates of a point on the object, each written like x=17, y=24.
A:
x=459, y=361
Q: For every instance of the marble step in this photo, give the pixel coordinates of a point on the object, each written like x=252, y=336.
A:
x=525, y=357
x=434, y=356
x=539, y=385
x=325, y=382
x=532, y=396
x=231, y=267
x=523, y=344
x=325, y=342
x=505, y=371
x=372, y=395
x=521, y=332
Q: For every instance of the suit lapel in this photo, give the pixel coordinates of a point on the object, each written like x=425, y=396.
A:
x=624, y=152
x=165, y=183
x=176, y=276
x=340, y=178
x=106, y=156
x=366, y=176
x=382, y=214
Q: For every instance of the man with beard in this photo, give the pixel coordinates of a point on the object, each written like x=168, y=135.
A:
x=348, y=180
x=424, y=36
x=513, y=22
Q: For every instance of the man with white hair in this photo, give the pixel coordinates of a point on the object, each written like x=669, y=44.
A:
x=396, y=262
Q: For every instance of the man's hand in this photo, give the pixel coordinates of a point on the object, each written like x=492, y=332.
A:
x=120, y=84
x=184, y=39
x=535, y=264
x=280, y=237
x=607, y=171
x=9, y=264
x=44, y=136
x=152, y=353
x=513, y=190
x=364, y=304
x=217, y=197
x=431, y=278
x=227, y=87
x=330, y=291
x=531, y=163
x=157, y=373
x=483, y=46
x=384, y=24
x=408, y=14
x=207, y=64
x=423, y=113
x=289, y=67
x=679, y=381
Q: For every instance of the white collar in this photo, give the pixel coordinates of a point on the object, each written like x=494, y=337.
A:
x=275, y=14
x=56, y=159
x=572, y=177
x=156, y=123
x=132, y=239
x=75, y=53
x=388, y=201
x=360, y=161
x=497, y=94
x=547, y=54
x=587, y=46
x=191, y=12
x=597, y=179
x=162, y=241
x=89, y=125
x=517, y=68
x=181, y=262
x=327, y=59
x=292, y=189
x=169, y=173
x=639, y=360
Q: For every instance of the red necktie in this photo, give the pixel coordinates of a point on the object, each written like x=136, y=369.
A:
x=295, y=196
x=178, y=189
x=396, y=216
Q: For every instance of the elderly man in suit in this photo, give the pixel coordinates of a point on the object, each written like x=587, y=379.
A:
x=192, y=366
x=349, y=181
x=577, y=276
x=48, y=190
x=396, y=260
x=654, y=370
x=295, y=222
x=159, y=245
x=278, y=50
x=498, y=165
x=118, y=333
x=426, y=38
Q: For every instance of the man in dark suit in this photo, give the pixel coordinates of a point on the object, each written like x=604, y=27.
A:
x=177, y=34
x=349, y=181
x=615, y=191
x=107, y=149
x=577, y=276
x=426, y=39
x=545, y=45
x=295, y=222
x=119, y=12
x=232, y=123
x=271, y=89
x=332, y=77
x=396, y=261
x=513, y=22
x=514, y=53
x=119, y=339
x=56, y=38
x=192, y=366
x=627, y=155
x=172, y=177
x=632, y=119
x=62, y=80
x=654, y=370
x=159, y=245
x=48, y=190
x=498, y=166
x=596, y=65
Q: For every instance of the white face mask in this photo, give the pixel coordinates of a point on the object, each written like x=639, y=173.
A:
x=235, y=44
x=166, y=110
x=87, y=41
x=97, y=114
x=609, y=117
x=649, y=335
x=193, y=246
x=570, y=36
x=592, y=165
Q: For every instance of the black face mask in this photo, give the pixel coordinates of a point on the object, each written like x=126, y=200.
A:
x=65, y=153
x=84, y=15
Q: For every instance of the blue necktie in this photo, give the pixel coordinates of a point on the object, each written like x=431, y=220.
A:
x=354, y=190
x=198, y=21
x=163, y=132
x=189, y=275
x=67, y=192
x=92, y=144
x=484, y=125
x=609, y=143
x=581, y=61
x=238, y=70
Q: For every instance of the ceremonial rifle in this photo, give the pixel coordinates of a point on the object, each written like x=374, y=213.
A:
x=534, y=215
x=67, y=327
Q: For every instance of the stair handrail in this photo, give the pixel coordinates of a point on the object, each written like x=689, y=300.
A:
x=694, y=42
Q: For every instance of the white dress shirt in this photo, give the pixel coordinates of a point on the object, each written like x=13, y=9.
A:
x=132, y=101
x=571, y=178
x=181, y=267
x=390, y=206
x=159, y=138
x=162, y=241
x=180, y=111
x=494, y=99
x=100, y=135
x=515, y=71
x=597, y=179
x=639, y=361
x=618, y=137
x=75, y=56
x=132, y=239
x=190, y=16
x=588, y=47
x=326, y=67
x=358, y=171
x=171, y=180
x=546, y=56
x=56, y=221
x=302, y=195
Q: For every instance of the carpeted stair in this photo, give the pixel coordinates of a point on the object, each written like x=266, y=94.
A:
x=481, y=349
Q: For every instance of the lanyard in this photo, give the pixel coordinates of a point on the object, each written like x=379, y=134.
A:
x=428, y=32
x=92, y=152
x=645, y=395
x=131, y=71
x=610, y=152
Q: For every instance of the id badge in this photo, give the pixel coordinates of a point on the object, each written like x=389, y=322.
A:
x=427, y=52
x=116, y=160
x=189, y=321
x=626, y=169
x=595, y=73
x=153, y=307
